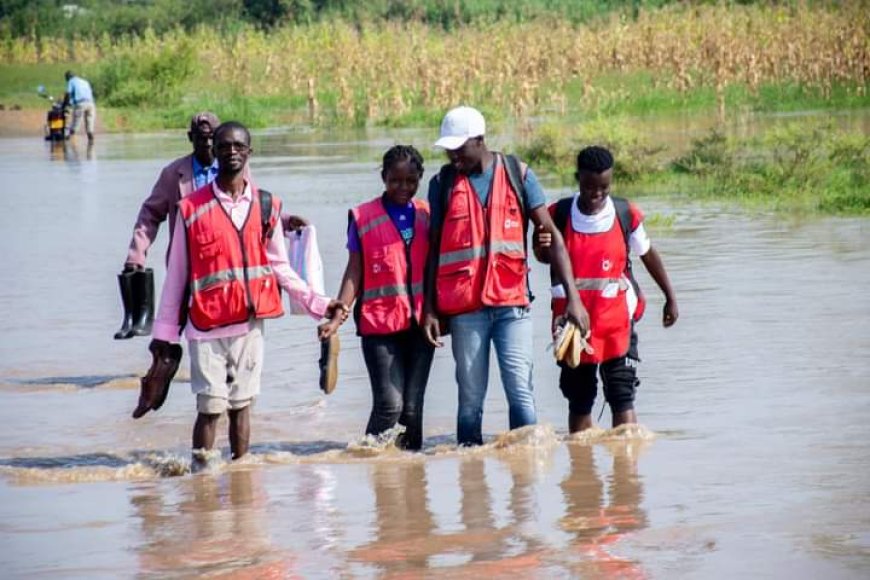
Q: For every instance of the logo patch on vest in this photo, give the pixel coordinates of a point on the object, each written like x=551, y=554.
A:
x=606, y=265
x=509, y=223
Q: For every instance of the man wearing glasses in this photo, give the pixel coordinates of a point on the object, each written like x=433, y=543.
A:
x=226, y=263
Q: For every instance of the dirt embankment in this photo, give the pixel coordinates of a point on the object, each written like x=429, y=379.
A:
x=22, y=123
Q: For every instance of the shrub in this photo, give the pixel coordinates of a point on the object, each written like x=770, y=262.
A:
x=133, y=79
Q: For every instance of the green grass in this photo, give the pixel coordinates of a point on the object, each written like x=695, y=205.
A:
x=635, y=94
x=805, y=166
x=18, y=84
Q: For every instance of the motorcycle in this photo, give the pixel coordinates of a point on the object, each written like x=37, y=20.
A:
x=55, y=118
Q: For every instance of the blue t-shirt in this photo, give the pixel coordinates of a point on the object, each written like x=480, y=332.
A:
x=203, y=175
x=481, y=183
x=402, y=217
x=79, y=90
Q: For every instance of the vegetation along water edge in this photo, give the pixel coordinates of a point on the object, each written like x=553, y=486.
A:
x=565, y=77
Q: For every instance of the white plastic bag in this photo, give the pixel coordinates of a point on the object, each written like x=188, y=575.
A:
x=304, y=256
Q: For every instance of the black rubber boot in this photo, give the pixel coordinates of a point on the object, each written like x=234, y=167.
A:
x=143, y=302
x=125, y=281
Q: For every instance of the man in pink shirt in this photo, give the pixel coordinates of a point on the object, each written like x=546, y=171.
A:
x=177, y=180
x=223, y=270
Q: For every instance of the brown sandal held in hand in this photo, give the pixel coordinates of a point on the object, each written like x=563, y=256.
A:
x=155, y=384
x=329, y=363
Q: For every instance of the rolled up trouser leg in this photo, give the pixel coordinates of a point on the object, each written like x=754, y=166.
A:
x=125, y=283
x=154, y=386
x=143, y=302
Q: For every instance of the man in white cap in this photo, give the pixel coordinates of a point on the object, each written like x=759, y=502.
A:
x=481, y=203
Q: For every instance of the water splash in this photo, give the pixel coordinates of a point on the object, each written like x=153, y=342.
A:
x=145, y=465
x=529, y=436
x=386, y=443
x=628, y=432
x=205, y=461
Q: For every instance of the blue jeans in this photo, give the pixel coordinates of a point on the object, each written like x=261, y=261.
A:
x=510, y=330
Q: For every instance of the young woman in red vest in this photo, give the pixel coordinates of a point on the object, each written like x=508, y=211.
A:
x=598, y=248
x=388, y=244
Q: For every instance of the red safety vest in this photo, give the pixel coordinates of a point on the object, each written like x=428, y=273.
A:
x=482, y=258
x=392, y=282
x=599, y=263
x=230, y=278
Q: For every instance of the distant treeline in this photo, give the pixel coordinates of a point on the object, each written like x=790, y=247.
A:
x=96, y=18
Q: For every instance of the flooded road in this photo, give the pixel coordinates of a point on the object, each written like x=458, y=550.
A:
x=752, y=457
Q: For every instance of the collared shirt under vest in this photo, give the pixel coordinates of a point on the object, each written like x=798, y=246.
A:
x=482, y=258
x=230, y=279
x=392, y=278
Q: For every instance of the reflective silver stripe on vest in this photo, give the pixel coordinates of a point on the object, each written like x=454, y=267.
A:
x=373, y=224
x=205, y=282
x=461, y=255
x=384, y=291
x=599, y=283
x=396, y=290
x=508, y=248
x=254, y=272
x=205, y=208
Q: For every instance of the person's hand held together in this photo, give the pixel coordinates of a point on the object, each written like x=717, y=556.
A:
x=542, y=238
x=337, y=309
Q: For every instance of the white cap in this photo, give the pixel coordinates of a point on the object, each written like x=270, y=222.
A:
x=460, y=125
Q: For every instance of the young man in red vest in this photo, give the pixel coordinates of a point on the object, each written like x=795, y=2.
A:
x=599, y=231
x=477, y=276
x=228, y=270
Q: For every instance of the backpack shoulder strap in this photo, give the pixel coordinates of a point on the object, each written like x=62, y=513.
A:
x=516, y=176
x=446, y=177
x=623, y=214
x=266, y=214
x=563, y=213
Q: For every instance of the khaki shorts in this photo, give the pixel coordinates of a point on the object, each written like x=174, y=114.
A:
x=89, y=112
x=225, y=372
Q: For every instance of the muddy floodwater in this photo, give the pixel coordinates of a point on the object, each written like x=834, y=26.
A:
x=752, y=459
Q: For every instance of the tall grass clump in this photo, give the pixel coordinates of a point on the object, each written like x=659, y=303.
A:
x=553, y=148
x=384, y=72
x=810, y=167
x=714, y=57
x=151, y=74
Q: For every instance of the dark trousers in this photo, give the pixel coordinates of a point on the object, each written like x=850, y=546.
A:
x=619, y=376
x=398, y=366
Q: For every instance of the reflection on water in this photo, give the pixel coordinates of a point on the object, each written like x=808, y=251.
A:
x=758, y=398
x=600, y=517
x=71, y=151
x=217, y=524
x=404, y=524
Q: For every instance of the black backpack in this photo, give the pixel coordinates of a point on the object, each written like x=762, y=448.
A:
x=266, y=213
x=623, y=216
